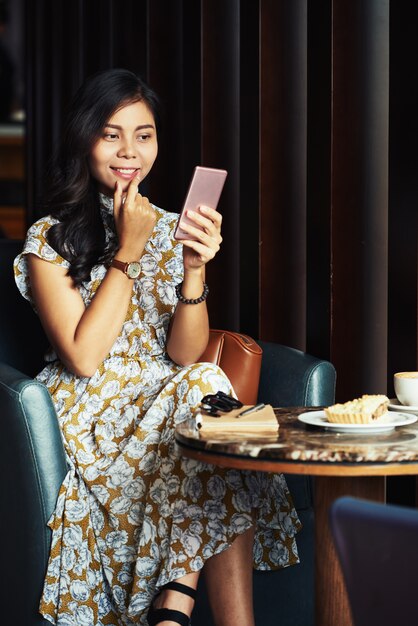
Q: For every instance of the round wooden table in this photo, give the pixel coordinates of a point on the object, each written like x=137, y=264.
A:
x=342, y=463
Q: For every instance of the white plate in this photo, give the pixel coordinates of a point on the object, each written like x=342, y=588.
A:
x=395, y=405
x=389, y=421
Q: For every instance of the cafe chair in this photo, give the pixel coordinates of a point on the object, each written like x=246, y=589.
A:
x=377, y=547
x=32, y=462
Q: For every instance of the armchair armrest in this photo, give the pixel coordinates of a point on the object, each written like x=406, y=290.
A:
x=290, y=377
x=32, y=467
x=31, y=443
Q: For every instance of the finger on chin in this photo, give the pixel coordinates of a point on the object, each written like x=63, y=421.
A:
x=117, y=197
x=133, y=188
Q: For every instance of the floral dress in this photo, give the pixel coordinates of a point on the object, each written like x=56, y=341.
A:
x=132, y=514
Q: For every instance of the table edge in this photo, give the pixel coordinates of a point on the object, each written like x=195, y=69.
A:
x=312, y=468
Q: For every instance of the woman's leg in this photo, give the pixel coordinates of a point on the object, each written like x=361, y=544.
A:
x=175, y=600
x=229, y=583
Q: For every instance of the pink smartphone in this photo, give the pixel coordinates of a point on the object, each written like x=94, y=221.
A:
x=204, y=190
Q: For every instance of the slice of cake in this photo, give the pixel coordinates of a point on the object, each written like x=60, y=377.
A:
x=362, y=410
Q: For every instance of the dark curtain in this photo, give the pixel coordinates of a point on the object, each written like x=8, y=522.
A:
x=316, y=124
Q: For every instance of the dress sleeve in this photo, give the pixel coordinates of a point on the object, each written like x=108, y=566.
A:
x=35, y=243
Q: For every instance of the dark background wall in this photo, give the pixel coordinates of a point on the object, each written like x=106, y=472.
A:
x=311, y=107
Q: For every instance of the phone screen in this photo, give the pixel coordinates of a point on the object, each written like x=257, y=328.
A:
x=204, y=190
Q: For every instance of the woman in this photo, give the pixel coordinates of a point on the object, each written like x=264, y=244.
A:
x=123, y=305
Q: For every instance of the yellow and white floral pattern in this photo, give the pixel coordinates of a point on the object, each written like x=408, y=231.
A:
x=132, y=514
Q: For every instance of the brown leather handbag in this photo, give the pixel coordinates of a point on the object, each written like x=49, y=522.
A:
x=239, y=356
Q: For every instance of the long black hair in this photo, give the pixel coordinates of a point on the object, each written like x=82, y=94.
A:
x=72, y=194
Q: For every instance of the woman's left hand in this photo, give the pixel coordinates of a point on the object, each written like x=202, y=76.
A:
x=208, y=235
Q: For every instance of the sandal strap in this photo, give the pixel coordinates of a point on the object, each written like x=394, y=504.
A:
x=188, y=591
x=168, y=615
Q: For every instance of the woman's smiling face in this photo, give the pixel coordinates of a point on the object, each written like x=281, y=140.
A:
x=127, y=147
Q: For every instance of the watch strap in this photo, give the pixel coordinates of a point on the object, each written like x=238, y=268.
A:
x=120, y=265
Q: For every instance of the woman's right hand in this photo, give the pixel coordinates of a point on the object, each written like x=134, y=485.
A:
x=134, y=219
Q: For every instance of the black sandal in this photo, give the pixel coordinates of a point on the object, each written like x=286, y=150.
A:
x=156, y=616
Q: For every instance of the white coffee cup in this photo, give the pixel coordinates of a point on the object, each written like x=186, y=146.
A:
x=406, y=387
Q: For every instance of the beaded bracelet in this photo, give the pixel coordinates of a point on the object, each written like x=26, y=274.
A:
x=184, y=300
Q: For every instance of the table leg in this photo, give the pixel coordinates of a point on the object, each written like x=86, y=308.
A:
x=332, y=605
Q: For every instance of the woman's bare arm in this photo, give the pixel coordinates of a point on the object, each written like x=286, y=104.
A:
x=189, y=329
x=82, y=336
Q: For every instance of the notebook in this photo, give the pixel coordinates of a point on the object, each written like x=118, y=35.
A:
x=260, y=422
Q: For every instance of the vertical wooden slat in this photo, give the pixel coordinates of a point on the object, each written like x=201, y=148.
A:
x=174, y=72
x=249, y=167
x=360, y=72
x=403, y=193
x=283, y=86
x=221, y=147
x=165, y=74
x=129, y=35
x=318, y=323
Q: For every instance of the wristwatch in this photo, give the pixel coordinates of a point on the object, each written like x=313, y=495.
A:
x=132, y=270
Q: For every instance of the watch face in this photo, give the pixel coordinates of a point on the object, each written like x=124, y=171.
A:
x=133, y=270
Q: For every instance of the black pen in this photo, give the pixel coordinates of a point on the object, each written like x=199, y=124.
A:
x=252, y=409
